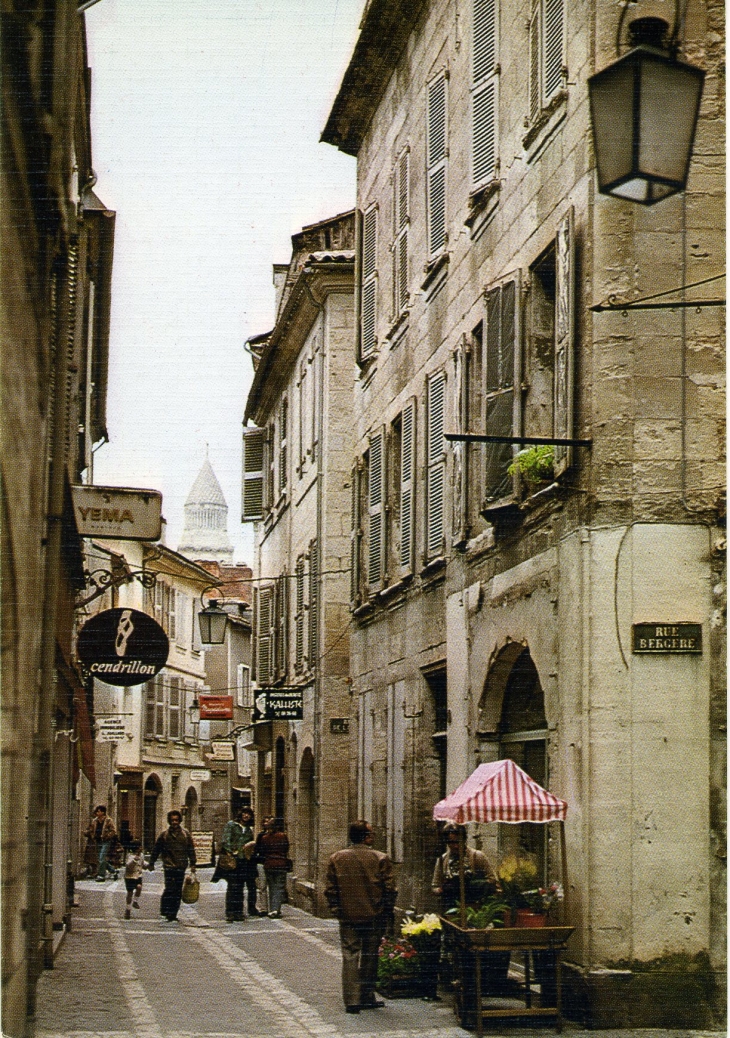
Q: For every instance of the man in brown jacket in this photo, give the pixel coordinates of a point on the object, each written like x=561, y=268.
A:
x=361, y=893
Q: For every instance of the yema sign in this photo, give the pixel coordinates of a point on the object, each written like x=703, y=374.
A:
x=117, y=513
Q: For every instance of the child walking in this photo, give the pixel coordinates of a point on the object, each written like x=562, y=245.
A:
x=133, y=877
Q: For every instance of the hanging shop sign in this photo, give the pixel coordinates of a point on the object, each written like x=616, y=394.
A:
x=663, y=638
x=118, y=513
x=111, y=729
x=222, y=751
x=216, y=708
x=281, y=704
x=200, y=775
x=339, y=725
x=123, y=647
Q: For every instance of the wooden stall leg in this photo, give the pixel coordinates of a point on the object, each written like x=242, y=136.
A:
x=478, y=972
x=559, y=990
x=528, y=980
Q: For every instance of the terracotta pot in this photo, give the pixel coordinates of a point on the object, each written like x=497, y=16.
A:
x=526, y=917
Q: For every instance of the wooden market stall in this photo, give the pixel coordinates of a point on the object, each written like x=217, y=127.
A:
x=503, y=792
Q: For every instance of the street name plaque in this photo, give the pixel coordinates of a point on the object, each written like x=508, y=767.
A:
x=667, y=638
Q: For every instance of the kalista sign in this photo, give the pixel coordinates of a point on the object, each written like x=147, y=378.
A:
x=123, y=647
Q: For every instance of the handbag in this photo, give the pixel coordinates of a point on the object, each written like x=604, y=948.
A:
x=227, y=862
x=190, y=890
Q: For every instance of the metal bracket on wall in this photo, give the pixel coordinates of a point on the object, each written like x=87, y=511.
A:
x=483, y=438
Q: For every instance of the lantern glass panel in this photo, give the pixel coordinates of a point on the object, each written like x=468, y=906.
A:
x=670, y=96
x=212, y=626
x=612, y=109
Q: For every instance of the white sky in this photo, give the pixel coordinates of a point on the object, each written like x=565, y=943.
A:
x=206, y=117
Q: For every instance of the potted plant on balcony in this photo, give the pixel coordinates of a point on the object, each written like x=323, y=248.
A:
x=534, y=464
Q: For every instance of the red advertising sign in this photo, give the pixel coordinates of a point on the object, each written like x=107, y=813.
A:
x=216, y=708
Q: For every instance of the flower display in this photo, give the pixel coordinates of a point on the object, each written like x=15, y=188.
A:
x=429, y=924
x=516, y=876
x=396, y=958
x=542, y=899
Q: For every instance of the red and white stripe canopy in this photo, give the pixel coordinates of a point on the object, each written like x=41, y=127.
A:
x=500, y=792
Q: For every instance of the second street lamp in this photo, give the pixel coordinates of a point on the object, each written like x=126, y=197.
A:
x=212, y=620
x=644, y=110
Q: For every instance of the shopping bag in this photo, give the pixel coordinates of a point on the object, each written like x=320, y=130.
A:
x=191, y=889
x=227, y=861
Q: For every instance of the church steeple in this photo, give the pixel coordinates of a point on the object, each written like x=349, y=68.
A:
x=205, y=531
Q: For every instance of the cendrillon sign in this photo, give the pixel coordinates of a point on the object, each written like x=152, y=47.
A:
x=123, y=647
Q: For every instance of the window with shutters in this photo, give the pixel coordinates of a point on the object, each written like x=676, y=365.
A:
x=369, y=283
x=436, y=157
x=254, y=455
x=376, y=517
x=316, y=415
x=172, y=615
x=302, y=414
x=264, y=616
x=313, y=656
x=407, y=484
x=357, y=477
x=174, y=709
x=243, y=685
x=547, y=55
x=484, y=93
x=435, y=465
x=281, y=624
x=400, y=233
x=502, y=389
x=299, y=615
x=155, y=707
x=468, y=458
x=283, y=444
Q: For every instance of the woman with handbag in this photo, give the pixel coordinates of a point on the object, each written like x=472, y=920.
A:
x=272, y=851
x=236, y=854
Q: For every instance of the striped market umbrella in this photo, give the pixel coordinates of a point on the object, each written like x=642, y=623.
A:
x=500, y=792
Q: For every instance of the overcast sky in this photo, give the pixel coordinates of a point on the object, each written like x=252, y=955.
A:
x=206, y=117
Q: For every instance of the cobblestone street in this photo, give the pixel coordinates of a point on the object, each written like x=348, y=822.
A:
x=204, y=978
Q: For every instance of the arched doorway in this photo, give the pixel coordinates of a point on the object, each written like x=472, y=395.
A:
x=305, y=813
x=512, y=724
x=152, y=790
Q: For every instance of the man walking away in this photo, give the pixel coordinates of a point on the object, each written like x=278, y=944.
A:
x=103, y=833
x=175, y=847
x=361, y=893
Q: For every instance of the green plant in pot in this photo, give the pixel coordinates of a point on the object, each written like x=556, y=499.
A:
x=485, y=916
x=535, y=464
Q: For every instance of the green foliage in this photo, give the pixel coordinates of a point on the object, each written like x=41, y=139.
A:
x=534, y=463
x=397, y=958
x=489, y=914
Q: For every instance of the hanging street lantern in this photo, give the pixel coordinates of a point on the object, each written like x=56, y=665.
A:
x=644, y=110
x=212, y=622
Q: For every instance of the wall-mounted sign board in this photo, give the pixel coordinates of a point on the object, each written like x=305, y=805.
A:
x=118, y=513
x=667, y=638
x=281, y=704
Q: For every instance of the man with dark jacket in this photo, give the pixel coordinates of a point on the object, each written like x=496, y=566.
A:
x=361, y=893
x=175, y=847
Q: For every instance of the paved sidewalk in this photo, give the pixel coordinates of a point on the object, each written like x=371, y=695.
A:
x=204, y=978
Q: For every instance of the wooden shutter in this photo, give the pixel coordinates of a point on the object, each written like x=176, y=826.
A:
x=264, y=621
x=160, y=705
x=436, y=161
x=281, y=619
x=355, y=536
x=407, y=487
x=252, y=507
x=283, y=439
x=313, y=604
x=299, y=616
x=149, y=713
x=174, y=727
x=534, y=89
x=563, y=367
x=376, y=526
x=368, y=315
x=484, y=92
x=460, y=451
x=435, y=461
x=552, y=48
x=502, y=376
x=401, y=173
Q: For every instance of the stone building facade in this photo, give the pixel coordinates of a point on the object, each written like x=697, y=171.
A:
x=296, y=487
x=57, y=246
x=498, y=594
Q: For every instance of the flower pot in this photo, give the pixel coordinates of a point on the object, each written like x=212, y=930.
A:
x=526, y=917
x=401, y=987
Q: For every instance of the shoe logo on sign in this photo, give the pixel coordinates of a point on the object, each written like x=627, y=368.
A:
x=124, y=631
